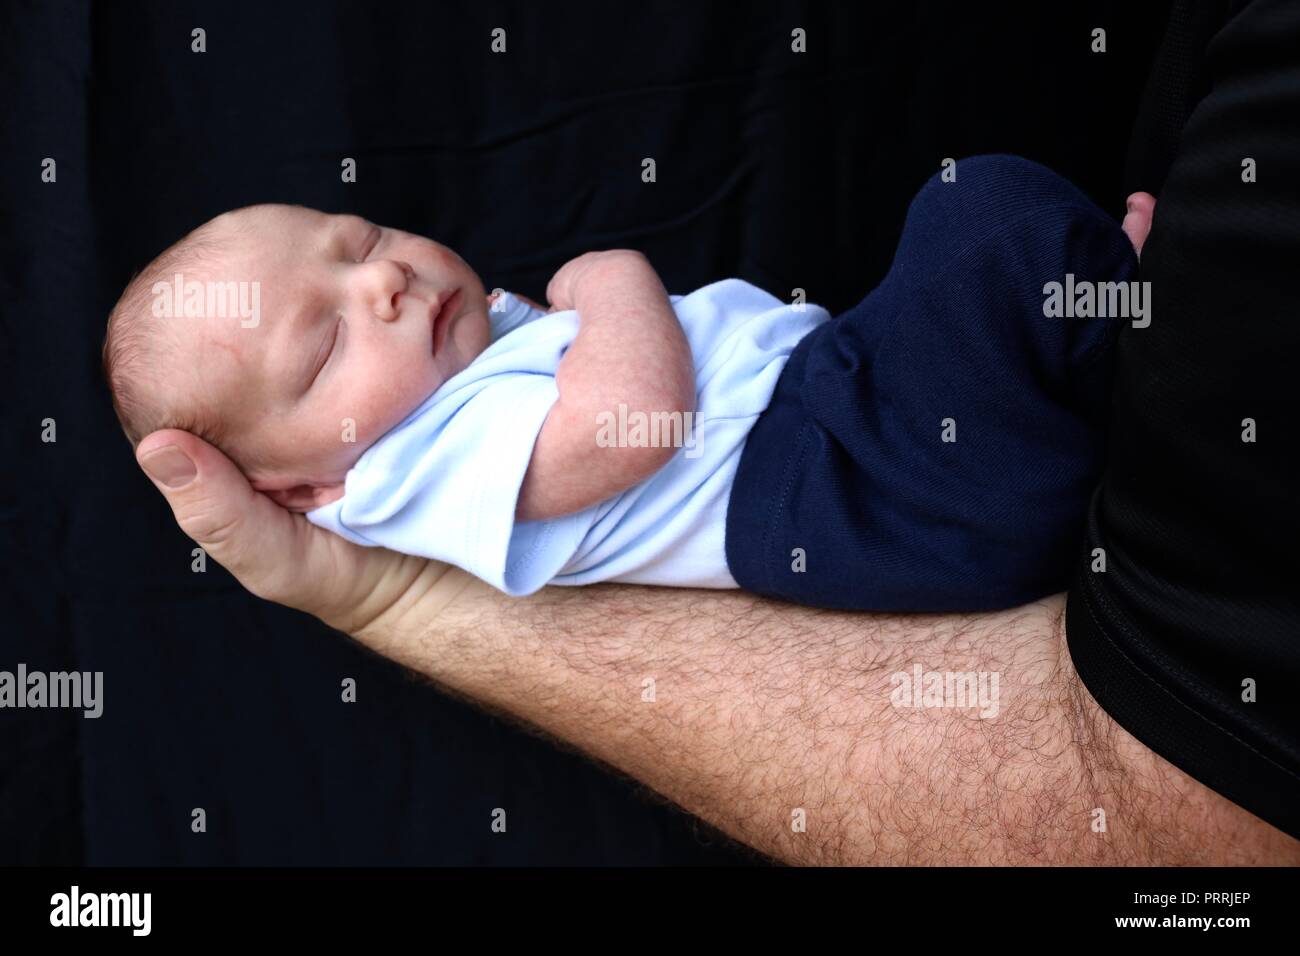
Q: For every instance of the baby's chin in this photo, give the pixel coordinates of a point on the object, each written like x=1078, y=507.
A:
x=328, y=468
x=467, y=339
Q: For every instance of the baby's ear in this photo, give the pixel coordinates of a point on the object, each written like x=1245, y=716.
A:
x=302, y=497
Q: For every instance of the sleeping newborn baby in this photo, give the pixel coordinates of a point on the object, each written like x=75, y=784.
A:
x=933, y=448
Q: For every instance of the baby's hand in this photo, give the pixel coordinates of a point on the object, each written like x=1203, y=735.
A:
x=562, y=291
x=629, y=352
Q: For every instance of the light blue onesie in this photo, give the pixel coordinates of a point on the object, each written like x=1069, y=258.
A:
x=444, y=483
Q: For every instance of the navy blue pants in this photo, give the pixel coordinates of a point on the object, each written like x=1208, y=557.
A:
x=935, y=447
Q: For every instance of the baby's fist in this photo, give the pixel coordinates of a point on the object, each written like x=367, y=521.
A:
x=562, y=291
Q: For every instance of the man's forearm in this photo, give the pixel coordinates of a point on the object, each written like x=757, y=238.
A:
x=785, y=727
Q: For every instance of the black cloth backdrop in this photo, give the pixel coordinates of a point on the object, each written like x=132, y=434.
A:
x=786, y=169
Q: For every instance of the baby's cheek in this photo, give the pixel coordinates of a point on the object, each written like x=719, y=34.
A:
x=376, y=401
x=339, y=429
x=339, y=445
x=403, y=389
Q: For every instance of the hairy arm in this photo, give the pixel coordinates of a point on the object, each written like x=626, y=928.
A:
x=758, y=709
x=630, y=350
x=762, y=712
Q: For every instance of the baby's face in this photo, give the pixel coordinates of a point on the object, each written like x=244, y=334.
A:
x=358, y=324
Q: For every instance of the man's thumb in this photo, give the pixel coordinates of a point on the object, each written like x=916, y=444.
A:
x=210, y=498
x=167, y=465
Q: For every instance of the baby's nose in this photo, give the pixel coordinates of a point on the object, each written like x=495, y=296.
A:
x=389, y=279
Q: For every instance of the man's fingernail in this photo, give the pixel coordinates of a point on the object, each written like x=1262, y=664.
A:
x=170, y=466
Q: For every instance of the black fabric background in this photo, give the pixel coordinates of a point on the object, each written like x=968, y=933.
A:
x=786, y=170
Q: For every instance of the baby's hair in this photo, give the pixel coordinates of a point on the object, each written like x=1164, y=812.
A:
x=137, y=347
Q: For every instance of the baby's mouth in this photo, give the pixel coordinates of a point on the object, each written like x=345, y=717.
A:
x=442, y=318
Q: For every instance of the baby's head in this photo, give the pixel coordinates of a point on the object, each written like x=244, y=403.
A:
x=296, y=340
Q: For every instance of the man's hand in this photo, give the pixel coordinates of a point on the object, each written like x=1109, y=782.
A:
x=1137, y=221
x=629, y=356
x=279, y=555
x=778, y=724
